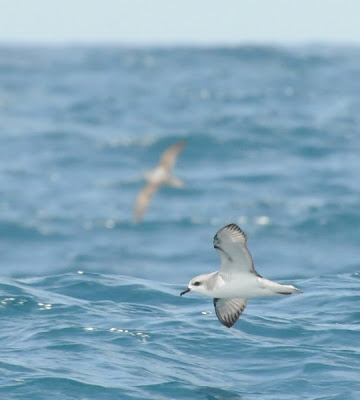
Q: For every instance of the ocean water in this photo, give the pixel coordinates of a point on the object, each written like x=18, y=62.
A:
x=89, y=302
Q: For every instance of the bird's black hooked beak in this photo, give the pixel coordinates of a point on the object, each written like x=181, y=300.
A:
x=185, y=291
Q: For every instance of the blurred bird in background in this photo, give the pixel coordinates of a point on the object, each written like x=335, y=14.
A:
x=159, y=176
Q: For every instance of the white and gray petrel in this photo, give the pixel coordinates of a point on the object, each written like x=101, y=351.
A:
x=236, y=280
x=161, y=175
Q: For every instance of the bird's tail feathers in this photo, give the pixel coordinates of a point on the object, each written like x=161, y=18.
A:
x=279, y=289
x=287, y=289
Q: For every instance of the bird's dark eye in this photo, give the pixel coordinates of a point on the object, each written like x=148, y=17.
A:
x=197, y=283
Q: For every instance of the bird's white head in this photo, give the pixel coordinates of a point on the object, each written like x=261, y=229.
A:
x=199, y=284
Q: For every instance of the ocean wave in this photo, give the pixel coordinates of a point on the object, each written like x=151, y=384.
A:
x=114, y=315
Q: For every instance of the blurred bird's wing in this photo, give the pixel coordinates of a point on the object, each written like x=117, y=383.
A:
x=170, y=155
x=143, y=200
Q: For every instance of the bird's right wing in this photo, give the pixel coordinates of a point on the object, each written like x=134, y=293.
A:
x=170, y=155
x=228, y=311
x=143, y=200
x=230, y=242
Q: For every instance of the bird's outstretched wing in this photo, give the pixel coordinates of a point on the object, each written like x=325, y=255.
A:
x=230, y=242
x=228, y=311
x=170, y=155
x=143, y=200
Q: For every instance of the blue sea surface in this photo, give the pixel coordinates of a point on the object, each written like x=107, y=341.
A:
x=89, y=301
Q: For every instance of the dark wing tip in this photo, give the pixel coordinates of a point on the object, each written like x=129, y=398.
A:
x=232, y=230
x=228, y=324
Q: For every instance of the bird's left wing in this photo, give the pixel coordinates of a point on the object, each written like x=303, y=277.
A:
x=228, y=311
x=230, y=242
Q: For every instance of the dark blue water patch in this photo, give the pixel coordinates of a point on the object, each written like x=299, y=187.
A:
x=61, y=388
x=11, y=290
x=186, y=391
x=87, y=290
x=62, y=336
